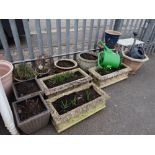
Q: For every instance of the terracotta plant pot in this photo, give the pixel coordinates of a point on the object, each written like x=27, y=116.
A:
x=87, y=60
x=6, y=69
x=65, y=64
x=31, y=122
x=134, y=64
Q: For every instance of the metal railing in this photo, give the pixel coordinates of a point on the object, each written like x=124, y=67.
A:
x=75, y=36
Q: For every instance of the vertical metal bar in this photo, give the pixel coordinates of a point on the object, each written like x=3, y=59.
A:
x=97, y=32
x=75, y=34
x=90, y=33
x=39, y=36
x=143, y=29
x=149, y=30
x=104, y=28
x=49, y=35
x=153, y=50
x=139, y=27
x=67, y=35
x=28, y=38
x=131, y=27
x=121, y=25
x=83, y=33
x=58, y=25
x=136, y=24
x=126, y=27
x=152, y=36
x=111, y=24
x=5, y=44
x=16, y=38
x=117, y=24
x=150, y=48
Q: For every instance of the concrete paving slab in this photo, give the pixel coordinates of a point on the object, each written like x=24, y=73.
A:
x=131, y=109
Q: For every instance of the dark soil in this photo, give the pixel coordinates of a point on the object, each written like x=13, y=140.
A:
x=26, y=88
x=50, y=84
x=65, y=63
x=80, y=98
x=30, y=108
x=108, y=71
x=89, y=56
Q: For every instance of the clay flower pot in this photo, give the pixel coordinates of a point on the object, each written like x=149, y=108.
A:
x=134, y=64
x=6, y=69
x=65, y=64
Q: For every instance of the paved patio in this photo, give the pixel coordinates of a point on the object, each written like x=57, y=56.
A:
x=131, y=109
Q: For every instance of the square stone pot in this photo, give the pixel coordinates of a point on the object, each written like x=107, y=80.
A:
x=70, y=118
x=33, y=123
x=64, y=87
x=28, y=82
x=109, y=79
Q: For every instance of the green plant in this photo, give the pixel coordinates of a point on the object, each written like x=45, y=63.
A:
x=73, y=101
x=64, y=104
x=24, y=72
x=88, y=95
x=67, y=103
x=61, y=78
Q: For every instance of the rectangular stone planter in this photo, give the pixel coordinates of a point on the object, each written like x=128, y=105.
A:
x=33, y=123
x=70, y=118
x=64, y=87
x=109, y=79
x=28, y=83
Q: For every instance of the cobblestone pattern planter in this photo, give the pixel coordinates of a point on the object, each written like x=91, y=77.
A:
x=65, y=87
x=34, y=123
x=85, y=64
x=109, y=79
x=70, y=118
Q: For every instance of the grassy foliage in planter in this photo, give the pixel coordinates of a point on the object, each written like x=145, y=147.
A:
x=75, y=105
x=24, y=71
x=61, y=82
x=106, y=77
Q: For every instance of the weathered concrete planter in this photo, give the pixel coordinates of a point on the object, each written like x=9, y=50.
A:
x=70, y=118
x=35, y=122
x=84, y=63
x=64, y=87
x=17, y=94
x=109, y=79
x=72, y=62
